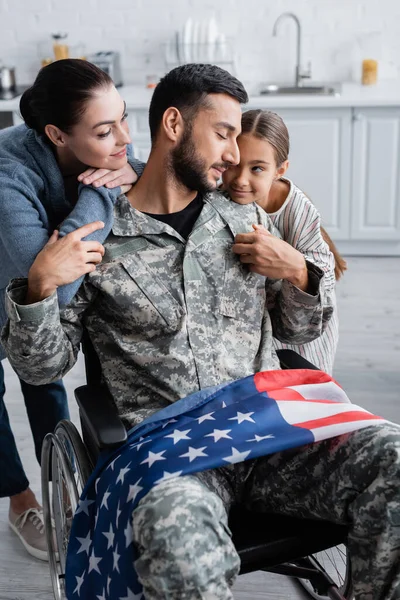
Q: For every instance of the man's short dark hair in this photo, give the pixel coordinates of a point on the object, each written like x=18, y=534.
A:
x=187, y=87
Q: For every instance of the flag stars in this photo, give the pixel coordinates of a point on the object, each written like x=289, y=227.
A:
x=122, y=473
x=116, y=558
x=112, y=463
x=79, y=581
x=110, y=535
x=194, y=453
x=207, y=417
x=133, y=492
x=240, y=417
x=93, y=563
x=169, y=422
x=142, y=441
x=237, y=456
x=85, y=544
x=84, y=507
x=104, y=502
x=131, y=596
x=260, y=438
x=218, y=434
x=120, y=511
x=179, y=435
x=128, y=532
x=154, y=457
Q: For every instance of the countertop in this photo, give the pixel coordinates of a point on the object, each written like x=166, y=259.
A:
x=352, y=94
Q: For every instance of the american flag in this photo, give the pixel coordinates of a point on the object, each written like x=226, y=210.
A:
x=255, y=416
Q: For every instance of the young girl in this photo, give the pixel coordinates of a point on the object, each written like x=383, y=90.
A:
x=264, y=150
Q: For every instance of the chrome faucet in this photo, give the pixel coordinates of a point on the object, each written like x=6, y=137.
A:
x=299, y=74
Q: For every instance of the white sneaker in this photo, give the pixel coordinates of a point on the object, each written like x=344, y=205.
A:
x=29, y=527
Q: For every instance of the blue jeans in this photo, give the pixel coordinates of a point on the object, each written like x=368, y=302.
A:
x=46, y=405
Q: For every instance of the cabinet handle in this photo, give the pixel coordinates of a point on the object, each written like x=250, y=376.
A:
x=358, y=117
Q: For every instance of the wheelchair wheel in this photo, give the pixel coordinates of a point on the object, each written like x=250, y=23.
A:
x=82, y=466
x=65, y=463
x=336, y=563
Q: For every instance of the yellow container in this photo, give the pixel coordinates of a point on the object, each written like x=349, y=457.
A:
x=60, y=51
x=369, y=71
x=46, y=61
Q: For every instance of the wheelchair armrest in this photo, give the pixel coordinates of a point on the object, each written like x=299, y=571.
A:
x=100, y=416
x=289, y=359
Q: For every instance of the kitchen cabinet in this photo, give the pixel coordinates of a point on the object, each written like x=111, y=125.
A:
x=376, y=174
x=138, y=120
x=320, y=162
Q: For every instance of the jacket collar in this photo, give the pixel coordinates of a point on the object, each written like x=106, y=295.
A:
x=218, y=212
x=130, y=222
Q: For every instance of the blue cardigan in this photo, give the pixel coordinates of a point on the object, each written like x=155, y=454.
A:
x=33, y=204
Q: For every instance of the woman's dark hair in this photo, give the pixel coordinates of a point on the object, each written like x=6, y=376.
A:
x=267, y=125
x=60, y=92
x=187, y=87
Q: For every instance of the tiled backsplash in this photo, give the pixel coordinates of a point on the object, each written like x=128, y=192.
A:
x=337, y=34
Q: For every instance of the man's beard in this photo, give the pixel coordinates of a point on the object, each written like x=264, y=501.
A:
x=188, y=167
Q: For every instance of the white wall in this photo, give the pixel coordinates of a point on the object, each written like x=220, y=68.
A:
x=335, y=33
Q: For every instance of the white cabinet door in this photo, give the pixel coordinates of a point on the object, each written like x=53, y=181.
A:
x=140, y=132
x=376, y=180
x=320, y=162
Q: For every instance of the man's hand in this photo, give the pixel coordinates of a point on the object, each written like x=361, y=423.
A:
x=269, y=256
x=62, y=261
x=124, y=178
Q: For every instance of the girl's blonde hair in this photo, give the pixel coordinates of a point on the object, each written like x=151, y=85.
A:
x=269, y=126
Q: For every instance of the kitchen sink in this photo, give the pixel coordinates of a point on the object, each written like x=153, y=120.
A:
x=313, y=90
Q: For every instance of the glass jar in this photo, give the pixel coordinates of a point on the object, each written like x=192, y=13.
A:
x=60, y=48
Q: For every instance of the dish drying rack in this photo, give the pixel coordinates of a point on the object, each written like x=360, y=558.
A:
x=220, y=54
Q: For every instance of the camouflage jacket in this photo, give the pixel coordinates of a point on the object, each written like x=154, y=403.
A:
x=167, y=316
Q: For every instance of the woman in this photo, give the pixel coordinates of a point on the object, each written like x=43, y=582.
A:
x=75, y=133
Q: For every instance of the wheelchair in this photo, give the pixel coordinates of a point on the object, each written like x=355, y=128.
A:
x=312, y=551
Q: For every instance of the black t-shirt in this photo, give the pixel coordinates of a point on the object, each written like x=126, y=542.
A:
x=183, y=220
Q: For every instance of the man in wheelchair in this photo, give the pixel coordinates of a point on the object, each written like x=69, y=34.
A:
x=172, y=310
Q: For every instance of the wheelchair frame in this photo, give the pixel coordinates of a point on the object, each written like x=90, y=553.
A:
x=275, y=543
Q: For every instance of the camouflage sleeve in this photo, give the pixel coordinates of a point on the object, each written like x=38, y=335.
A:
x=299, y=317
x=42, y=342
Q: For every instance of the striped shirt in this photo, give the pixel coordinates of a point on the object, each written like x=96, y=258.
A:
x=299, y=224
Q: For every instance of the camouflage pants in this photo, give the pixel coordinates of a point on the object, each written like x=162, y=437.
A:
x=180, y=527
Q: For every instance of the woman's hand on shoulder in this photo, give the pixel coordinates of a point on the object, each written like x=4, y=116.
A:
x=63, y=260
x=124, y=178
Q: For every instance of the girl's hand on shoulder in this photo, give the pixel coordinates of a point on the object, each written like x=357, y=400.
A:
x=63, y=260
x=110, y=179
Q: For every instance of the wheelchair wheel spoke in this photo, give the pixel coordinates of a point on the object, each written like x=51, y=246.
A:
x=335, y=562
